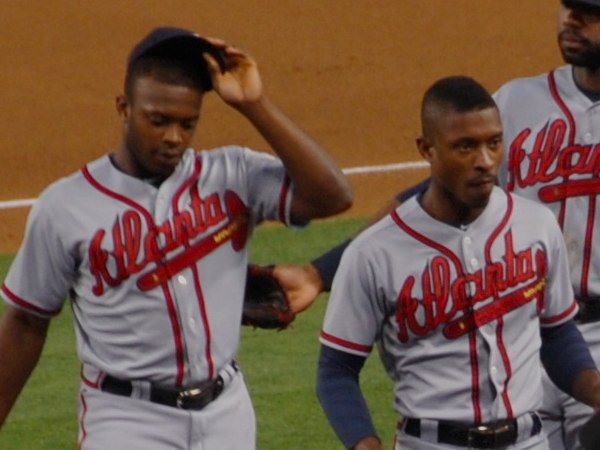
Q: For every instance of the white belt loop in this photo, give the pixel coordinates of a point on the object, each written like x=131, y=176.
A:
x=525, y=426
x=228, y=373
x=429, y=430
x=140, y=389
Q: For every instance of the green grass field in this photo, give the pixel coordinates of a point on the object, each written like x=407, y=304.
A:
x=280, y=367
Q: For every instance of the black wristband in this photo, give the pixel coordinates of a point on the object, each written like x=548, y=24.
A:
x=328, y=262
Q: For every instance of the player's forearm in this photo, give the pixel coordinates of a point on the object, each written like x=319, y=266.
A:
x=22, y=338
x=339, y=393
x=565, y=356
x=321, y=189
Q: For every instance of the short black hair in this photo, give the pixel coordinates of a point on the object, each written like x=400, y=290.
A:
x=458, y=93
x=170, y=63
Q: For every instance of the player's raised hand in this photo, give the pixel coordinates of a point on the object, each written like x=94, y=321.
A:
x=238, y=82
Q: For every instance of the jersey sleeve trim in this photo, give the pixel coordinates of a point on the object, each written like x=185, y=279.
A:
x=18, y=301
x=569, y=313
x=344, y=345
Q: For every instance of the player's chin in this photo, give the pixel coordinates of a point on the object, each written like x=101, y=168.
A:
x=166, y=164
x=479, y=194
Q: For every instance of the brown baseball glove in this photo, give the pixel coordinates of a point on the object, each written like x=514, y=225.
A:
x=266, y=304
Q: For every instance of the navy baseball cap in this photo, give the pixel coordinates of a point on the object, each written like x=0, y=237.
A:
x=178, y=44
x=574, y=3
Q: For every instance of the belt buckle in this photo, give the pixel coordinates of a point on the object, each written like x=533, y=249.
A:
x=187, y=396
x=486, y=436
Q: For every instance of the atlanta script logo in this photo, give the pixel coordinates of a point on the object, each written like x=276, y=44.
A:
x=133, y=244
x=551, y=162
x=450, y=300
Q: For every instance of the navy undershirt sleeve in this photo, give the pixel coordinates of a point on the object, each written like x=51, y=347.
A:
x=565, y=354
x=328, y=263
x=338, y=390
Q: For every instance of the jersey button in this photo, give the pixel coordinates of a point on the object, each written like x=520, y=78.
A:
x=182, y=280
x=474, y=263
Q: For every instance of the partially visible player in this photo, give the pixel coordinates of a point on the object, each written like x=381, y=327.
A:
x=454, y=287
x=552, y=137
x=150, y=244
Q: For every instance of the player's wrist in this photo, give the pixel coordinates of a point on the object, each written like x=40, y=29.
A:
x=314, y=277
x=326, y=265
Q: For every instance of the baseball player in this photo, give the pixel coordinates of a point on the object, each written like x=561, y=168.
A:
x=454, y=286
x=150, y=244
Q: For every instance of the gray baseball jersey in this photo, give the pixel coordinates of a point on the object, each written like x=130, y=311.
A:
x=456, y=311
x=551, y=138
x=156, y=275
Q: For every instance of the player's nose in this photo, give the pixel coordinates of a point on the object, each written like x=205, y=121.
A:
x=484, y=158
x=173, y=134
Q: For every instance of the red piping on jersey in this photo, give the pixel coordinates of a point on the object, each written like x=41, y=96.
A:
x=84, y=411
x=587, y=248
x=282, y=196
x=472, y=338
x=177, y=335
x=195, y=194
x=507, y=367
x=207, y=329
x=500, y=326
x=90, y=383
x=345, y=343
x=561, y=104
x=26, y=305
x=175, y=204
x=152, y=226
x=202, y=306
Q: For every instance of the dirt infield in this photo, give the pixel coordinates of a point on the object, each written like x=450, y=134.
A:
x=350, y=71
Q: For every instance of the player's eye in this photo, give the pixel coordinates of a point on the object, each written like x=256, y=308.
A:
x=189, y=125
x=495, y=143
x=464, y=146
x=158, y=120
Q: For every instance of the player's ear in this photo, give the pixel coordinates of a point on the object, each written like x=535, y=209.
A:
x=424, y=145
x=121, y=104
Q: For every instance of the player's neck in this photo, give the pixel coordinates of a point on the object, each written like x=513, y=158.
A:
x=448, y=210
x=155, y=181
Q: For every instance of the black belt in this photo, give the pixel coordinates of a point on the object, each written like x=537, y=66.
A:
x=589, y=310
x=195, y=398
x=486, y=436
